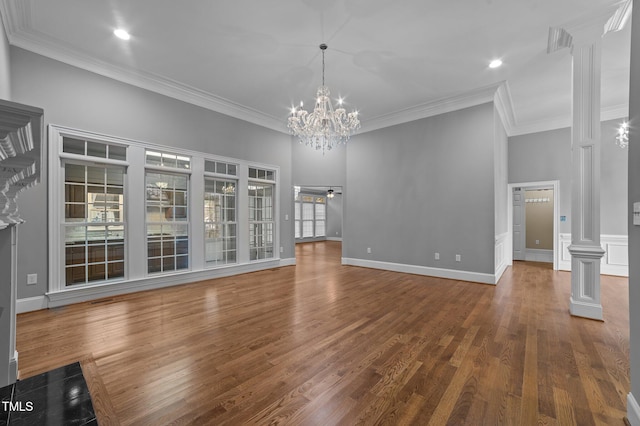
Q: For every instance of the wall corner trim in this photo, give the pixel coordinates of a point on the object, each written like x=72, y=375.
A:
x=633, y=410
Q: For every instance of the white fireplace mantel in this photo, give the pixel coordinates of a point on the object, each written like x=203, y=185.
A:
x=21, y=132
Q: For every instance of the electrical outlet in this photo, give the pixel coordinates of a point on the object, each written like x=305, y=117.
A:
x=281, y=249
x=368, y=249
x=537, y=242
x=286, y=217
x=32, y=279
x=437, y=256
x=458, y=258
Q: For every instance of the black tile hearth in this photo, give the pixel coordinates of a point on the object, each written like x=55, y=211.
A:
x=57, y=397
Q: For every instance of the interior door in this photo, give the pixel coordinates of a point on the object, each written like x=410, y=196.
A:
x=519, y=228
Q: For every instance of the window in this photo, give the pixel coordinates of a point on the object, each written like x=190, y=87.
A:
x=220, y=167
x=320, y=216
x=220, y=221
x=310, y=216
x=261, y=221
x=94, y=231
x=167, y=221
x=121, y=213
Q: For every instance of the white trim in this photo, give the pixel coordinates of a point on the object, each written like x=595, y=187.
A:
x=97, y=291
x=633, y=410
x=538, y=255
x=463, y=100
x=13, y=368
x=424, y=270
x=613, y=112
x=614, y=262
x=585, y=309
x=290, y=261
x=334, y=238
x=556, y=215
x=504, y=105
x=31, y=304
x=501, y=255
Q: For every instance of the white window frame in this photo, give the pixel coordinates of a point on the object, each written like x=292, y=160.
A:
x=136, y=275
x=57, y=252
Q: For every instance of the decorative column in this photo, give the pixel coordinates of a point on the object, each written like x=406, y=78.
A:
x=586, y=250
x=20, y=161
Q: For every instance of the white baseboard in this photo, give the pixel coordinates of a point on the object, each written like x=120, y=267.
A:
x=31, y=304
x=13, y=368
x=288, y=262
x=538, y=255
x=633, y=410
x=334, y=238
x=614, y=262
x=83, y=294
x=585, y=310
x=423, y=270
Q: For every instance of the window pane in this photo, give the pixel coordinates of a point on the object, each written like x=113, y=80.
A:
x=74, y=173
x=96, y=150
x=117, y=152
x=73, y=146
x=95, y=175
x=167, y=220
x=154, y=158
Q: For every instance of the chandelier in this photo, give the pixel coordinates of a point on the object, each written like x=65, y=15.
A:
x=324, y=128
x=622, y=138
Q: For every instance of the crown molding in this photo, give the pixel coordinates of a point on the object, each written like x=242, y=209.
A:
x=504, y=105
x=610, y=19
x=430, y=109
x=16, y=16
x=613, y=112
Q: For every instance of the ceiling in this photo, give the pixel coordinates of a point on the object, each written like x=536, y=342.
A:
x=391, y=60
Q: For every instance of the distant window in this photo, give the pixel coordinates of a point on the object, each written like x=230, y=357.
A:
x=167, y=220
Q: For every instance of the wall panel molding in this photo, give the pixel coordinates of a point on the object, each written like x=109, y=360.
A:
x=614, y=262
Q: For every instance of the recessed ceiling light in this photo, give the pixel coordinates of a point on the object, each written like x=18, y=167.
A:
x=495, y=63
x=122, y=34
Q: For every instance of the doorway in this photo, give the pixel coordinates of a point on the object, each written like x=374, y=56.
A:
x=533, y=209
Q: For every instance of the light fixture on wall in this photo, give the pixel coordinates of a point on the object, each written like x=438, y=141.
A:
x=324, y=128
x=622, y=138
x=330, y=193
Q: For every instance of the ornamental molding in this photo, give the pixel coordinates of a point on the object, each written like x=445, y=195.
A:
x=20, y=156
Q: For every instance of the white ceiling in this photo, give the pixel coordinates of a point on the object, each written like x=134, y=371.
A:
x=392, y=60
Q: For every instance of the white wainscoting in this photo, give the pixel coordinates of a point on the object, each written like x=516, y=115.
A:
x=501, y=255
x=616, y=254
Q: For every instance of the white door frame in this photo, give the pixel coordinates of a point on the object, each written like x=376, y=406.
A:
x=556, y=211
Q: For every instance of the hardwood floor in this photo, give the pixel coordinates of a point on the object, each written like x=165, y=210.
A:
x=323, y=344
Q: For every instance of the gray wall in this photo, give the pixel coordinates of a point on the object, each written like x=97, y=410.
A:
x=311, y=168
x=5, y=86
x=634, y=196
x=334, y=216
x=546, y=156
x=423, y=187
x=87, y=101
x=501, y=163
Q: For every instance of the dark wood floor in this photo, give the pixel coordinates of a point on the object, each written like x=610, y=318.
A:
x=323, y=344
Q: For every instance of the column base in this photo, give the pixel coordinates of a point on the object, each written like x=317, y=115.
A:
x=586, y=310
